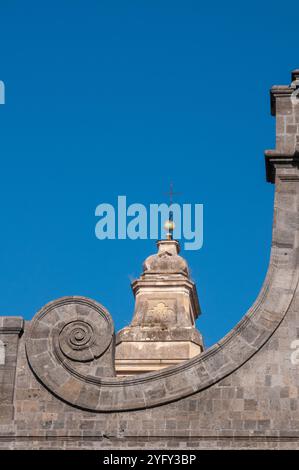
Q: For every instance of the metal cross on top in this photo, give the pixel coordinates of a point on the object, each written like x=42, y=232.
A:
x=169, y=224
x=171, y=193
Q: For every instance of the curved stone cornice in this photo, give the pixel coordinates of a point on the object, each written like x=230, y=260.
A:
x=238, y=346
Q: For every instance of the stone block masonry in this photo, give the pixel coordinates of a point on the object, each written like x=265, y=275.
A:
x=58, y=387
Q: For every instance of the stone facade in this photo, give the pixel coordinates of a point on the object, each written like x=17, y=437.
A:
x=58, y=388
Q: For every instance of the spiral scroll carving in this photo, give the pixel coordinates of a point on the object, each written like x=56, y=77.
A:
x=70, y=337
x=80, y=341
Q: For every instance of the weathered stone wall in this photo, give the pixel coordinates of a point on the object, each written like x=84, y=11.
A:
x=241, y=393
x=10, y=330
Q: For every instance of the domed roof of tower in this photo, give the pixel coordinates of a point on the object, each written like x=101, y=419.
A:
x=167, y=260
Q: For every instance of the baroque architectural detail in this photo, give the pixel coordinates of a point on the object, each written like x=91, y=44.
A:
x=70, y=337
x=79, y=341
x=162, y=332
x=58, y=387
x=161, y=313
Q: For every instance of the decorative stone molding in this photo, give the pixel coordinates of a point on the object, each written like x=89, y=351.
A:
x=11, y=325
x=70, y=337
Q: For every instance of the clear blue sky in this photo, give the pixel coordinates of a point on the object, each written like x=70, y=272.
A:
x=105, y=98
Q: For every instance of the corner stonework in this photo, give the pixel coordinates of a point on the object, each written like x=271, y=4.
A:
x=285, y=107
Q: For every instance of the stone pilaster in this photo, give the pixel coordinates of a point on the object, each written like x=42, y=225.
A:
x=285, y=107
x=10, y=330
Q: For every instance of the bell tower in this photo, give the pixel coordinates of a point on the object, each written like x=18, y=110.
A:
x=162, y=332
